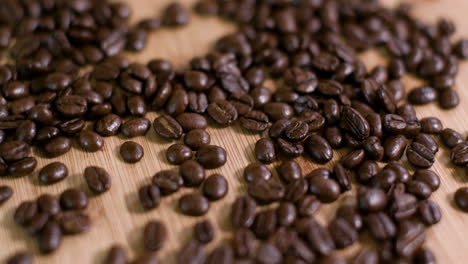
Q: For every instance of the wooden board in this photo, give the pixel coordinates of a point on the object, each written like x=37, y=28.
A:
x=117, y=215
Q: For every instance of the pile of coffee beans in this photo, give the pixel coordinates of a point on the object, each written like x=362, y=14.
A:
x=67, y=70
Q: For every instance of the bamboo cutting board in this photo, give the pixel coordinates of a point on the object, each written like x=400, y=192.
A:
x=117, y=215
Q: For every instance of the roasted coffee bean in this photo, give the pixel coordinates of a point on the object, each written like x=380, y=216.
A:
x=371, y=199
x=375, y=124
x=196, y=138
x=295, y=190
x=278, y=128
x=278, y=110
x=419, y=189
x=301, y=80
x=57, y=146
x=46, y=133
x=320, y=172
x=403, y=206
x=53, y=172
x=289, y=171
x=381, y=226
x=429, y=177
x=448, y=99
x=342, y=232
x=424, y=256
x=431, y=125
x=290, y=149
x=394, y=124
x=334, y=136
x=373, y=147
x=353, y=159
x=286, y=214
x=175, y=15
x=422, y=95
x=116, y=255
x=221, y=254
x=135, y=127
x=5, y=193
x=296, y=131
x=50, y=237
x=301, y=105
x=461, y=198
x=254, y=121
x=420, y=155
x=266, y=191
x=197, y=102
x=97, y=179
x=190, y=121
x=149, y=196
x=211, y=156
x=351, y=215
x=411, y=236
x=74, y=222
x=131, y=152
x=261, y=96
x=215, y=187
x=318, y=149
x=14, y=150
x=177, y=102
x=366, y=171
x=26, y=131
x=108, y=125
x=450, y=138
x=327, y=190
x=268, y=253
x=168, y=181
x=204, y=231
x=222, y=112
x=342, y=177
x=243, y=212
x=192, y=173
x=20, y=258
x=243, y=243
x=73, y=199
x=242, y=102
x=154, y=235
x=178, y=153
x=71, y=105
x=136, y=105
x=265, y=224
x=72, y=127
x=194, y=204
x=255, y=171
x=48, y=204
x=320, y=238
x=459, y=154
x=354, y=123
x=265, y=151
x=394, y=147
x=22, y=167
x=193, y=252
x=90, y=141
x=167, y=127
x=366, y=255
x=428, y=141
x=429, y=212
x=25, y=212
x=196, y=80
x=307, y=205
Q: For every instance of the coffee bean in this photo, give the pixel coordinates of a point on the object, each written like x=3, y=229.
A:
x=256, y=171
x=48, y=204
x=429, y=177
x=422, y=95
x=192, y=252
x=394, y=147
x=459, y=154
x=342, y=232
x=448, y=99
x=211, y=156
x=266, y=191
x=419, y=155
x=461, y=198
x=149, y=196
x=429, y=212
x=108, y=125
x=450, y=137
x=116, y=255
x=215, y=187
x=320, y=172
x=53, y=172
x=204, y=232
x=197, y=102
x=327, y=190
x=295, y=190
x=135, y=127
x=74, y=222
x=154, y=235
x=26, y=131
x=318, y=149
x=97, y=179
x=411, y=236
x=342, y=177
x=431, y=125
x=394, y=124
x=265, y=224
x=90, y=141
x=243, y=243
x=194, y=204
x=428, y=141
x=403, y=206
x=366, y=171
x=50, y=237
x=289, y=171
x=353, y=159
x=366, y=255
x=71, y=105
x=254, y=121
x=73, y=199
x=319, y=238
x=131, y=152
x=196, y=138
x=373, y=147
x=354, y=123
x=351, y=215
x=192, y=173
x=424, y=255
x=268, y=253
x=178, y=153
x=167, y=127
x=381, y=226
x=20, y=258
x=221, y=254
x=22, y=167
x=243, y=103
x=286, y=214
x=265, y=151
x=14, y=150
x=307, y=205
x=5, y=193
x=190, y=121
x=175, y=15
x=277, y=110
x=371, y=199
x=168, y=181
x=222, y=112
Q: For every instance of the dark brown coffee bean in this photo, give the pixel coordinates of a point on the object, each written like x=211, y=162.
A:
x=353, y=159
x=194, y=204
x=48, y=204
x=420, y=155
x=429, y=212
x=211, y=156
x=193, y=252
x=108, y=125
x=301, y=104
x=394, y=124
x=135, y=127
x=353, y=122
x=342, y=177
x=178, y=153
x=286, y=214
x=268, y=253
x=204, y=232
x=448, y=99
x=26, y=131
x=265, y=224
x=243, y=243
x=97, y=179
x=196, y=138
x=168, y=181
x=136, y=105
x=381, y=226
x=222, y=112
x=196, y=80
x=351, y=215
x=422, y=95
x=190, y=121
x=411, y=236
x=71, y=105
x=255, y=171
x=221, y=254
x=428, y=141
x=320, y=238
x=459, y=154
x=424, y=256
x=57, y=146
x=290, y=149
x=22, y=167
x=197, y=102
x=450, y=137
x=266, y=191
x=327, y=190
x=302, y=81
x=72, y=127
x=277, y=110
x=14, y=150
x=289, y=171
x=73, y=199
x=429, y=177
x=307, y=205
x=74, y=222
x=116, y=255
x=20, y=258
x=403, y=205
x=394, y=147
x=50, y=237
x=175, y=14
x=154, y=235
x=278, y=128
x=265, y=151
x=149, y=196
x=461, y=198
x=5, y=193
x=366, y=171
x=320, y=172
x=243, y=212
x=90, y=141
x=131, y=152
x=25, y=212
x=419, y=189
x=431, y=125
x=192, y=173
x=53, y=172
x=373, y=147
x=318, y=149
x=295, y=190
x=254, y=121
x=242, y=102
x=342, y=232
x=371, y=199
x=167, y=127
x=215, y=187
x=177, y=102
x=37, y=223
x=334, y=136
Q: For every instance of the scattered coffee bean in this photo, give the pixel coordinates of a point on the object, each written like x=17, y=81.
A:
x=116, y=255
x=131, y=152
x=204, y=231
x=135, y=127
x=5, y=193
x=192, y=173
x=98, y=179
x=154, y=235
x=20, y=258
x=149, y=196
x=215, y=187
x=73, y=199
x=53, y=172
x=461, y=198
x=196, y=138
x=90, y=141
x=211, y=156
x=178, y=153
x=74, y=222
x=194, y=204
x=168, y=181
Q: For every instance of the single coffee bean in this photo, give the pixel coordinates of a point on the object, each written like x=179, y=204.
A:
x=53, y=172
x=243, y=212
x=371, y=199
x=429, y=177
x=461, y=198
x=373, y=147
x=381, y=226
x=108, y=125
x=342, y=177
x=318, y=149
x=154, y=235
x=243, y=243
x=265, y=151
x=320, y=238
x=428, y=141
x=167, y=127
x=135, y=127
x=353, y=158
x=71, y=105
x=296, y=131
x=320, y=172
x=419, y=189
x=74, y=222
x=286, y=213
x=342, y=232
x=22, y=167
x=211, y=156
x=277, y=110
x=354, y=123
x=168, y=181
x=411, y=236
x=254, y=121
x=20, y=258
x=26, y=131
x=459, y=154
x=289, y=171
x=204, y=231
x=25, y=212
x=242, y=102
x=265, y=224
x=289, y=149
x=394, y=124
x=431, y=125
x=424, y=256
x=90, y=141
x=5, y=193
x=116, y=255
x=73, y=199
x=256, y=171
x=327, y=190
x=334, y=136
x=419, y=155
x=149, y=196
x=48, y=204
x=296, y=189
x=97, y=179
x=50, y=238
x=192, y=252
x=268, y=254
x=57, y=146
x=194, y=204
x=278, y=128
x=197, y=102
x=422, y=95
x=351, y=215
x=215, y=187
x=191, y=121
x=375, y=124
x=196, y=138
x=222, y=112
x=307, y=205
x=394, y=147
x=175, y=14
x=450, y=138
x=266, y=191
x=192, y=173
x=403, y=205
x=429, y=212
x=131, y=152
x=366, y=171
x=37, y=223
x=178, y=153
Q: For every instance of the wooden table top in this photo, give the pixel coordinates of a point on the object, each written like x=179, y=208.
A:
x=117, y=215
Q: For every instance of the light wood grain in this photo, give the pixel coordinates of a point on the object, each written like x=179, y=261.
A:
x=117, y=215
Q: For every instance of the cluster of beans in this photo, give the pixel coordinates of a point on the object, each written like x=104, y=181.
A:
x=325, y=99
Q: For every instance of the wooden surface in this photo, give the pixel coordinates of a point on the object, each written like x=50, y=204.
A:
x=117, y=216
